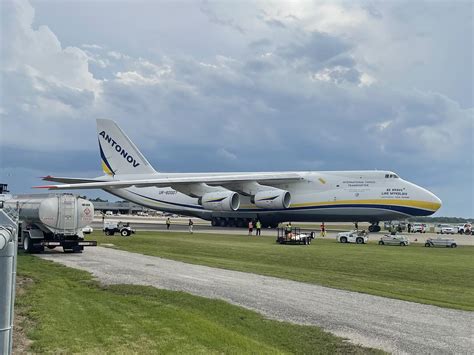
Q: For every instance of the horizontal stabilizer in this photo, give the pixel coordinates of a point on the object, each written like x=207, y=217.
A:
x=69, y=180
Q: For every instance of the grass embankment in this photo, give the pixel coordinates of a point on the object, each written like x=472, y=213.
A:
x=68, y=312
x=438, y=276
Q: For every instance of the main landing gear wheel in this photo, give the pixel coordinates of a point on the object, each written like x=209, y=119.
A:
x=374, y=228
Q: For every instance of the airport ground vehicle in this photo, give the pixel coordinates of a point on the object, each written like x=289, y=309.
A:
x=354, y=236
x=445, y=229
x=465, y=228
x=399, y=225
x=294, y=237
x=52, y=220
x=394, y=239
x=87, y=230
x=441, y=242
x=418, y=228
x=110, y=228
x=235, y=198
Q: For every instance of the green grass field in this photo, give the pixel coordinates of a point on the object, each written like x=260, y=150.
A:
x=64, y=311
x=437, y=276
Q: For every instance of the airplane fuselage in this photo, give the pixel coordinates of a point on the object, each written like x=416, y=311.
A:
x=319, y=196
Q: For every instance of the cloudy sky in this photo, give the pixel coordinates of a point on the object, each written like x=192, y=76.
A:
x=242, y=86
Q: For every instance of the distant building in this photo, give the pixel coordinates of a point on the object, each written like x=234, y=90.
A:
x=118, y=207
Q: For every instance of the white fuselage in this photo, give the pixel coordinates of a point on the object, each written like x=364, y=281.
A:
x=319, y=196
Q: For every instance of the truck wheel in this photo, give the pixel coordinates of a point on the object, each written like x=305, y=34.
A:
x=360, y=241
x=402, y=244
x=27, y=244
x=125, y=233
x=427, y=245
x=381, y=242
x=343, y=240
x=454, y=245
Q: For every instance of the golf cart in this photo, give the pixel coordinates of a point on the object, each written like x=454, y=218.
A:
x=110, y=228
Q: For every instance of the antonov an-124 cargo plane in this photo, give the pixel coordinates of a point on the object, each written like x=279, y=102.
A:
x=231, y=199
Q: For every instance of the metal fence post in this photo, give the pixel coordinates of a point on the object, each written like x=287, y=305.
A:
x=8, y=255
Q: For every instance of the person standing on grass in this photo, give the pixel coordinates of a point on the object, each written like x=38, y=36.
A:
x=323, y=230
x=190, y=224
x=258, y=225
x=168, y=223
x=250, y=227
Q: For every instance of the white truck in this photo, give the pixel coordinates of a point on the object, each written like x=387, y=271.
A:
x=52, y=220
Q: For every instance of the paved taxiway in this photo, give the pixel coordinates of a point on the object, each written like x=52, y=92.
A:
x=392, y=325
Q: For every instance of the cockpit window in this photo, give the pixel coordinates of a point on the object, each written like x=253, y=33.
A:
x=391, y=176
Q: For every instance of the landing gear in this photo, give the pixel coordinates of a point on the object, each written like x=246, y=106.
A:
x=374, y=227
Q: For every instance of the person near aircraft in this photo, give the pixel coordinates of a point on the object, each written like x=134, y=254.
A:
x=258, y=225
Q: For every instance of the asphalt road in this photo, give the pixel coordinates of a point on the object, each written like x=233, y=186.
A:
x=392, y=325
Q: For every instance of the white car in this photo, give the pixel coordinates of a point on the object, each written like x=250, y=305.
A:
x=396, y=239
x=445, y=229
x=441, y=242
x=354, y=236
x=418, y=228
x=87, y=230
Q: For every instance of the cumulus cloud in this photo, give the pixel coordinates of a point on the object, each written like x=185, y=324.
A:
x=295, y=86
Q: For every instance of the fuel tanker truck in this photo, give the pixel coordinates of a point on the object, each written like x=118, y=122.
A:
x=52, y=220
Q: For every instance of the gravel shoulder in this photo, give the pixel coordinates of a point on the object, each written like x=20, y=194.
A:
x=392, y=325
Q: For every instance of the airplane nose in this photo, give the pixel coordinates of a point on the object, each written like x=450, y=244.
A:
x=434, y=200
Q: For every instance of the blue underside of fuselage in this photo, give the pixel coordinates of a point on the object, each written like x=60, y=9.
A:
x=409, y=211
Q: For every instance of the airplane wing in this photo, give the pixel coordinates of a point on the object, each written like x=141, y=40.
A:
x=212, y=180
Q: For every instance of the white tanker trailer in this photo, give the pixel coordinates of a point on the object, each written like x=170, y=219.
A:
x=52, y=220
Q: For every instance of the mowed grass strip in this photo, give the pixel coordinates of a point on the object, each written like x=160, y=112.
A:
x=69, y=312
x=437, y=276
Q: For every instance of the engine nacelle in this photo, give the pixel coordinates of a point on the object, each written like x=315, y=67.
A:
x=273, y=199
x=220, y=201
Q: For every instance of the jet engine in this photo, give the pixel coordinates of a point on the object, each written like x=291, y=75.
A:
x=273, y=199
x=220, y=201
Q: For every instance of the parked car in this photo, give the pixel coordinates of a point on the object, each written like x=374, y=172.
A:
x=445, y=229
x=465, y=228
x=87, y=230
x=418, y=228
x=441, y=242
x=354, y=236
x=396, y=239
x=110, y=228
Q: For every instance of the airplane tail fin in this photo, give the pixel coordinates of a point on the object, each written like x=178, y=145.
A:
x=118, y=153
